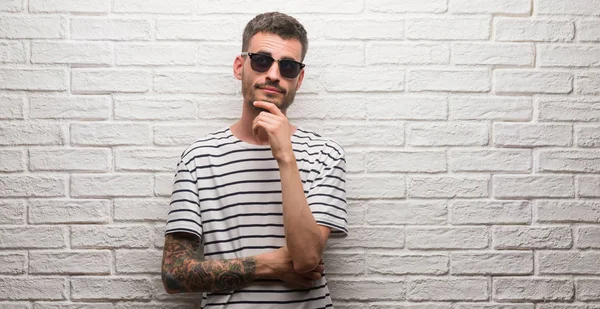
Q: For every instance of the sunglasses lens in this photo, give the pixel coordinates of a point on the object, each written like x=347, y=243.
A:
x=260, y=63
x=289, y=69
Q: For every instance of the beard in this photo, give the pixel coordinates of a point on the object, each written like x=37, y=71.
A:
x=252, y=92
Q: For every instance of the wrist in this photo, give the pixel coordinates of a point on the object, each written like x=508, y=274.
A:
x=287, y=158
x=263, y=271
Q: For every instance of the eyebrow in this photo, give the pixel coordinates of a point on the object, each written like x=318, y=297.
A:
x=268, y=53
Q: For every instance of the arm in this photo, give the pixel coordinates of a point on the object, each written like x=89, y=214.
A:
x=184, y=271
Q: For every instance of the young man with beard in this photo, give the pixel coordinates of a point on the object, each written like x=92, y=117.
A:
x=260, y=197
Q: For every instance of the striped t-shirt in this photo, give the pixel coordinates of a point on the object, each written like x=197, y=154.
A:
x=228, y=192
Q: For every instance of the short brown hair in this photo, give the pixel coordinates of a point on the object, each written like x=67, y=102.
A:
x=278, y=23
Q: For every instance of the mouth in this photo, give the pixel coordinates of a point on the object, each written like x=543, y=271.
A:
x=271, y=90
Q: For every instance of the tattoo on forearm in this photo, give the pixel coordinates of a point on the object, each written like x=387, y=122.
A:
x=183, y=272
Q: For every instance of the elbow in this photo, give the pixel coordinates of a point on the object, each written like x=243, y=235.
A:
x=307, y=264
x=170, y=282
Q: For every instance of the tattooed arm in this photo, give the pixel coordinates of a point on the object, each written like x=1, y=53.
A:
x=184, y=271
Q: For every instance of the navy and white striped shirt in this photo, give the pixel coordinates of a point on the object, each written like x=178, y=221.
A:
x=228, y=193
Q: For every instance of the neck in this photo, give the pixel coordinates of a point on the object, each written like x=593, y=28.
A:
x=242, y=129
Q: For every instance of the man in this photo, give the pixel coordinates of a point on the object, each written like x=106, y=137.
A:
x=260, y=197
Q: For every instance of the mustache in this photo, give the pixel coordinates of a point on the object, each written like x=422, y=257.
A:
x=270, y=84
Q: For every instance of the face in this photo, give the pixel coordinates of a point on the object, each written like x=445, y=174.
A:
x=269, y=86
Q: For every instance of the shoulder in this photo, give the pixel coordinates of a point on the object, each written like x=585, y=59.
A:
x=328, y=146
x=206, y=145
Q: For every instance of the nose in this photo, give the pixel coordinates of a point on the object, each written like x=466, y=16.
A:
x=273, y=72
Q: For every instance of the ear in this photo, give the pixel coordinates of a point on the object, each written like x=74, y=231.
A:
x=238, y=66
x=300, y=79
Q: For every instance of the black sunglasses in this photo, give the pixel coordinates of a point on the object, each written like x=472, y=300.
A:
x=261, y=63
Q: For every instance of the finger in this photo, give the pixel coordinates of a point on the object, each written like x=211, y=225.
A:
x=272, y=108
x=312, y=275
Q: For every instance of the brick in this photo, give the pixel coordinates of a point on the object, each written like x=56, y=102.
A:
x=12, y=160
x=447, y=187
x=559, y=7
x=11, y=6
x=12, y=52
x=588, y=136
x=223, y=53
x=569, y=56
x=447, y=238
x=160, y=160
x=110, y=80
x=490, y=6
x=154, y=6
x=344, y=263
x=491, y=108
x=149, y=108
x=490, y=161
x=589, y=31
x=114, y=134
x=493, y=54
x=14, y=305
x=26, y=133
x=533, y=186
x=373, y=78
x=490, y=212
x=364, y=187
x=163, y=184
x=356, y=212
x=113, y=288
x=361, y=133
x=138, y=261
x=69, y=211
x=536, y=30
x=518, y=238
x=102, y=28
x=406, y=107
x=434, y=6
x=568, y=211
x=32, y=27
x=448, y=28
x=407, y=264
x=12, y=212
x=323, y=54
x=156, y=54
x=91, y=6
x=370, y=237
x=587, y=289
x=77, y=305
x=98, y=53
x=414, y=212
x=205, y=29
x=588, y=186
x=567, y=306
x=307, y=6
x=34, y=79
x=115, y=185
x=183, y=135
x=364, y=29
x=587, y=237
x=532, y=289
x=12, y=107
x=453, y=289
x=72, y=159
x=491, y=306
x=407, y=53
x=355, y=161
x=447, y=134
x=581, y=161
x=30, y=186
x=140, y=209
x=587, y=83
x=194, y=82
x=72, y=262
x=347, y=289
x=114, y=236
x=552, y=109
x=449, y=80
x=309, y=107
x=511, y=81
x=32, y=237
x=13, y=263
x=86, y=107
x=406, y=161
x=492, y=263
x=532, y=135
x=158, y=236
x=568, y=263
x=32, y=288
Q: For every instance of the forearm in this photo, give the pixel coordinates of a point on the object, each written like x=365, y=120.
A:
x=302, y=234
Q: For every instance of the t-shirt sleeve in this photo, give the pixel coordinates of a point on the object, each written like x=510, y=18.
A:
x=184, y=209
x=327, y=194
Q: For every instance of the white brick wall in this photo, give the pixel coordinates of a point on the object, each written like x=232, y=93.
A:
x=471, y=131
